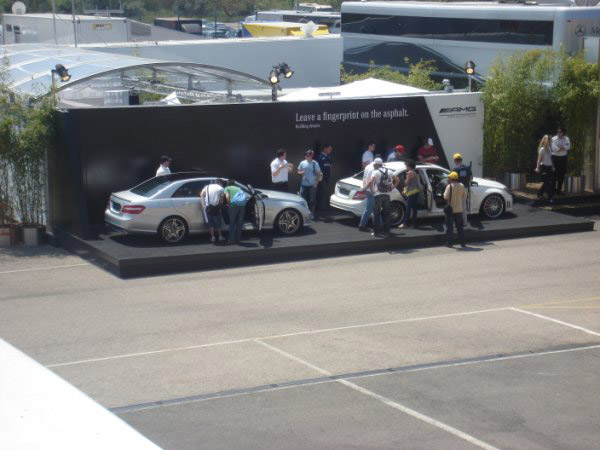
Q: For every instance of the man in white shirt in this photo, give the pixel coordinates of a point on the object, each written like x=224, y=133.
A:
x=163, y=169
x=212, y=197
x=560, y=148
x=382, y=181
x=280, y=171
x=368, y=155
x=370, y=197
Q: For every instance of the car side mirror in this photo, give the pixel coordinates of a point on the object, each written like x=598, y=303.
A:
x=474, y=183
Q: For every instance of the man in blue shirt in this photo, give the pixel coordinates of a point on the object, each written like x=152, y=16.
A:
x=324, y=188
x=311, y=175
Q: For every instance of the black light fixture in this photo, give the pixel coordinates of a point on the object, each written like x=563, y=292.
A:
x=62, y=73
x=470, y=67
x=281, y=68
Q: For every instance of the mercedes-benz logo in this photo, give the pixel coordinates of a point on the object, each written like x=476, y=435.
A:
x=580, y=30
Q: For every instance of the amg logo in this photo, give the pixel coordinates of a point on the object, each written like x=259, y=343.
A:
x=459, y=110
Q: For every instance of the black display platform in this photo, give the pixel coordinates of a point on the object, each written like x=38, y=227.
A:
x=336, y=235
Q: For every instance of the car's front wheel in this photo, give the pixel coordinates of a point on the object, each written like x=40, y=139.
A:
x=172, y=230
x=397, y=213
x=493, y=206
x=288, y=221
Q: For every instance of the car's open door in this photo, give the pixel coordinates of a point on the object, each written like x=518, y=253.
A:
x=259, y=209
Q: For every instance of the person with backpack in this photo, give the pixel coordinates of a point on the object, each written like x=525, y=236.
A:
x=455, y=194
x=212, y=200
x=383, y=181
x=311, y=175
x=236, y=201
x=411, y=193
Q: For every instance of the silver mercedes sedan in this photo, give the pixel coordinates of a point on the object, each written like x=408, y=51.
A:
x=170, y=207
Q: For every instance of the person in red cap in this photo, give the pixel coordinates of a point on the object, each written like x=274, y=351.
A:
x=398, y=155
x=427, y=152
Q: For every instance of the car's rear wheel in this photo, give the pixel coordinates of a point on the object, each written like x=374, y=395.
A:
x=173, y=230
x=493, y=206
x=397, y=212
x=288, y=221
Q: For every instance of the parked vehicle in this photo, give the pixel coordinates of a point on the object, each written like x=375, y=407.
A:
x=490, y=198
x=170, y=207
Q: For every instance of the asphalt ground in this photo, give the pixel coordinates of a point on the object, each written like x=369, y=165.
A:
x=496, y=346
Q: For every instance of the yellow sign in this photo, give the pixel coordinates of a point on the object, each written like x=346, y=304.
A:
x=101, y=26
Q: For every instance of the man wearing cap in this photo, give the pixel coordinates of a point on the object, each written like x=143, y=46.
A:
x=399, y=154
x=455, y=194
x=464, y=177
x=163, y=169
x=370, y=198
x=427, y=152
x=311, y=175
x=381, y=192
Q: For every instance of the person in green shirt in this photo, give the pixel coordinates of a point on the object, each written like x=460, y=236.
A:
x=236, y=200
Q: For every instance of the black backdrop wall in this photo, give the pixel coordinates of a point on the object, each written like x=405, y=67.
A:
x=111, y=149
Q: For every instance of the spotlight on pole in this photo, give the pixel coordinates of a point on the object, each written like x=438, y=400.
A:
x=470, y=70
x=274, y=77
x=62, y=73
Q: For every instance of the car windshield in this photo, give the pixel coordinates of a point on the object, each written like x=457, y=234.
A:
x=150, y=187
x=359, y=175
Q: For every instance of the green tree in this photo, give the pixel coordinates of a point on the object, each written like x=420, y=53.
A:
x=576, y=94
x=526, y=95
x=516, y=101
x=419, y=75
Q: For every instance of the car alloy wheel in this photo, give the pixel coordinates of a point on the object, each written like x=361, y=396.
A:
x=289, y=221
x=493, y=206
x=173, y=230
x=397, y=212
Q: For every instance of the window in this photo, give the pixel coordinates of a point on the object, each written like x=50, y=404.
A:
x=8, y=27
x=17, y=29
x=527, y=32
x=191, y=189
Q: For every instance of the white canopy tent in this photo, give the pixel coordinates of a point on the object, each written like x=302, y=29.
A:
x=371, y=87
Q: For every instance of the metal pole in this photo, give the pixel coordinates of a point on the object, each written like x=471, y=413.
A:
x=74, y=22
x=54, y=21
x=274, y=92
x=296, y=5
x=597, y=155
x=469, y=83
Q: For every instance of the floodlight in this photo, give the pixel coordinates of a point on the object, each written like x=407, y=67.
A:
x=62, y=73
x=274, y=76
x=470, y=67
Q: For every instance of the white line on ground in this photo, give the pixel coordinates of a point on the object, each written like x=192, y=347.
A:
x=275, y=336
x=326, y=380
x=43, y=268
x=567, y=324
x=386, y=401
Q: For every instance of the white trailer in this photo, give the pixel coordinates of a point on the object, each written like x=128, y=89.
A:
x=58, y=29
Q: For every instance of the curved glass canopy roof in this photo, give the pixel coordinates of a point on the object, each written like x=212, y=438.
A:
x=27, y=68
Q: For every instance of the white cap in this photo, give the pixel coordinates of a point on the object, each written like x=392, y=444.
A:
x=378, y=161
x=430, y=141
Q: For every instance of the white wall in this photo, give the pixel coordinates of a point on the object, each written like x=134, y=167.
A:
x=315, y=61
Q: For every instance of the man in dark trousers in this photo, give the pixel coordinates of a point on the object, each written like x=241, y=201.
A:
x=382, y=182
x=560, y=146
x=455, y=194
x=464, y=177
x=324, y=188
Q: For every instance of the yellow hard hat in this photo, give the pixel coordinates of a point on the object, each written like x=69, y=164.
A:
x=457, y=156
x=453, y=175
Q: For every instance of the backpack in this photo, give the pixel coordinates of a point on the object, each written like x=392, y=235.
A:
x=385, y=184
x=239, y=199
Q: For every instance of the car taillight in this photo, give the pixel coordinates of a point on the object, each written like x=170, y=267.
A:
x=360, y=195
x=132, y=209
